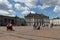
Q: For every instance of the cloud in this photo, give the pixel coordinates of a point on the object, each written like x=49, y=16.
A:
x=9, y=12
x=54, y=3
x=20, y=0
x=6, y=8
x=32, y=12
x=5, y=4
x=33, y=3
x=12, y=15
x=3, y=7
x=3, y=12
x=43, y=6
x=20, y=7
x=50, y=2
x=29, y=3
x=26, y=12
x=57, y=8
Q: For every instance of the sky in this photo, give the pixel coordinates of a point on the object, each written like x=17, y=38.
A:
x=22, y=8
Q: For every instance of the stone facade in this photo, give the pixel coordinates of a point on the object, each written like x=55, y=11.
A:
x=29, y=20
x=16, y=21
x=37, y=18
x=55, y=21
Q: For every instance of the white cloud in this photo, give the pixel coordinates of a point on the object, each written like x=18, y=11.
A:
x=12, y=15
x=6, y=2
x=20, y=0
x=50, y=2
x=29, y=3
x=9, y=12
x=5, y=5
x=32, y=12
x=3, y=12
x=55, y=3
x=32, y=3
x=6, y=8
x=1, y=1
x=10, y=6
x=43, y=6
x=57, y=8
x=25, y=12
x=20, y=7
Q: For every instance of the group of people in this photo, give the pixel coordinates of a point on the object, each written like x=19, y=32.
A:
x=36, y=26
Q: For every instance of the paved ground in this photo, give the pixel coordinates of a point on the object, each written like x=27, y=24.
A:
x=28, y=33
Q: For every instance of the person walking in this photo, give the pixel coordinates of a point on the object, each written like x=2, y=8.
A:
x=9, y=27
x=35, y=25
x=38, y=26
x=51, y=25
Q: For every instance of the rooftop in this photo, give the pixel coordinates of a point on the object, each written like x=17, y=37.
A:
x=36, y=16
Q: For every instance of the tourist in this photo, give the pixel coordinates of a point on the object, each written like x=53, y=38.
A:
x=35, y=25
x=38, y=26
x=51, y=25
x=9, y=27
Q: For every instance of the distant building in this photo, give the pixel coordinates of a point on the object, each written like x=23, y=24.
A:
x=37, y=18
x=16, y=21
x=55, y=21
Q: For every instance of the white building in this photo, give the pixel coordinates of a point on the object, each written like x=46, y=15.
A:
x=37, y=18
x=55, y=21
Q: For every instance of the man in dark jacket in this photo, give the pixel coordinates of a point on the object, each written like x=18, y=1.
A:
x=34, y=26
x=51, y=25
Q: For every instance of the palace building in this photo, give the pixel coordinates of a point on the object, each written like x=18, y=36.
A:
x=55, y=21
x=29, y=20
x=37, y=18
x=16, y=21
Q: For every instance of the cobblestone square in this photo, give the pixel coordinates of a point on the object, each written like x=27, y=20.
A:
x=28, y=33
